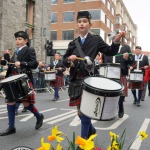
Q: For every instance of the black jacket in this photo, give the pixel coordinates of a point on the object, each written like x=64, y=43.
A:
x=27, y=58
x=92, y=46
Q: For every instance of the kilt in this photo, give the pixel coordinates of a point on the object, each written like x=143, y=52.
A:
x=136, y=85
x=30, y=98
x=74, y=102
x=59, y=82
x=124, y=83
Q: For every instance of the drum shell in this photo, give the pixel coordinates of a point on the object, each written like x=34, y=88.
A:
x=112, y=71
x=98, y=104
x=16, y=89
x=136, y=76
x=50, y=76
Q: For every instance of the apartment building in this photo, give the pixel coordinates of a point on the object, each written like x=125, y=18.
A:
x=107, y=16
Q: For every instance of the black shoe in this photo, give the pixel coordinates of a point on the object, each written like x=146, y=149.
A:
x=134, y=102
x=142, y=99
x=24, y=109
x=55, y=99
x=39, y=122
x=138, y=104
x=120, y=114
x=8, y=131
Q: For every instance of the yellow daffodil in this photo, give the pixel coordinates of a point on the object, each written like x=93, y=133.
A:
x=113, y=135
x=143, y=135
x=45, y=146
x=86, y=144
x=55, y=135
x=59, y=147
x=115, y=145
x=109, y=147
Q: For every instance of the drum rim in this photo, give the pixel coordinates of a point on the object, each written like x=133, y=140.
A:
x=19, y=76
x=102, y=92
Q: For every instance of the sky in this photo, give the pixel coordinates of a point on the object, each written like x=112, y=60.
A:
x=139, y=11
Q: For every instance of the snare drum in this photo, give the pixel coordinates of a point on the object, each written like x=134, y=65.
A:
x=136, y=76
x=112, y=71
x=100, y=98
x=50, y=75
x=16, y=87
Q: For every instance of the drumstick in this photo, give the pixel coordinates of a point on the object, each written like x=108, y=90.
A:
x=79, y=58
x=122, y=54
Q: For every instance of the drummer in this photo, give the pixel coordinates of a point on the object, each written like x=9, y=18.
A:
x=91, y=45
x=142, y=65
x=57, y=65
x=25, y=60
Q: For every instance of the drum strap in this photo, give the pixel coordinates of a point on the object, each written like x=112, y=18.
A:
x=90, y=68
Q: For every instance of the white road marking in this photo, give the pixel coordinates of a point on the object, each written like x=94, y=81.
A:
x=116, y=124
x=31, y=115
x=58, y=116
x=62, y=100
x=62, y=118
x=137, y=143
x=3, y=106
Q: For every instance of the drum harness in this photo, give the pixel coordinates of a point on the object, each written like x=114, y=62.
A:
x=89, y=68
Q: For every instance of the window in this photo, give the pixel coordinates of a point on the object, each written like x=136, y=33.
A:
x=68, y=16
x=112, y=27
x=113, y=11
x=53, y=17
x=69, y=1
x=104, y=1
x=108, y=23
x=95, y=31
x=95, y=14
x=118, y=20
x=102, y=16
x=108, y=6
x=53, y=35
x=102, y=34
x=54, y=1
x=68, y=35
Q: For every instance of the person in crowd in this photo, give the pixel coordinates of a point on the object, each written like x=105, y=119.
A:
x=25, y=60
x=91, y=45
x=140, y=62
x=57, y=65
x=125, y=61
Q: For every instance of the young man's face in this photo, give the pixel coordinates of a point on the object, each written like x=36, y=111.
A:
x=21, y=42
x=57, y=56
x=83, y=25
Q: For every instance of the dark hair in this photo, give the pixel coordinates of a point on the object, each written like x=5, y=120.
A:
x=138, y=47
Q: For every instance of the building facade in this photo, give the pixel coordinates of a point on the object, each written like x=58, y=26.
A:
x=32, y=16
x=107, y=16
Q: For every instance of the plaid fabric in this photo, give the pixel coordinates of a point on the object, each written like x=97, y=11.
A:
x=59, y=82
x=136, y=85
x=74, y=102
x=124, y=83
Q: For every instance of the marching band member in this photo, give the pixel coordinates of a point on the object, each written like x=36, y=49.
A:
x=58, y=66
x=142, y=61
x=25, y=60
x=125, y=61
x=91, y=46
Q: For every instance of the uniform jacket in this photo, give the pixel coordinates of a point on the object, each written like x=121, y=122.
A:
x=92, y=45
x=59, y=64
x=27, y=59
x=142, y=63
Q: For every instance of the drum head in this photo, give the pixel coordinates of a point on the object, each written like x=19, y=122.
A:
x=14, y=77
x=102, y=83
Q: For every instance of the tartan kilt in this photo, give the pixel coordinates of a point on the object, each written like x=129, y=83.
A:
x=136, y=85
x=74, y=102
x=59, y=82
x=124, y=83
x=30, y=98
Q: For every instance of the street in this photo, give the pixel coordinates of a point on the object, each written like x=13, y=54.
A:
x=59, y=113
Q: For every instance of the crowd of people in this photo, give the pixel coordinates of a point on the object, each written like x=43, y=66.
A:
x=73, y=68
